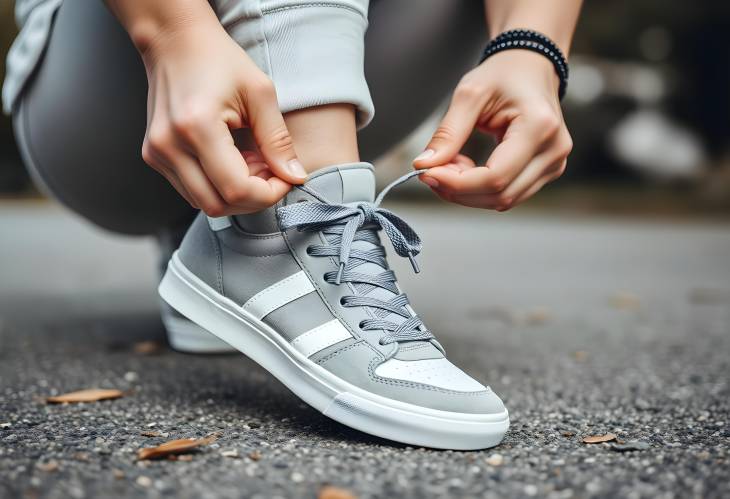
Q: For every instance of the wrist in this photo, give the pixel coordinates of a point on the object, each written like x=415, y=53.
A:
x=527, y=40
x=150, y=24
x=538, y=68
x=558, y=35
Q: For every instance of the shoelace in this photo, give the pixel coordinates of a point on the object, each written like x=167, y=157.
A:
x=342, y=225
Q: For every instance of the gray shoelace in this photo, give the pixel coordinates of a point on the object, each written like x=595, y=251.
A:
x=344, y=224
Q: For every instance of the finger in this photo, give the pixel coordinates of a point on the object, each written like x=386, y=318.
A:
x=476, y=180
x=199, y=186
x=538, y=173
x=458, y=164
x=259, y=170
x=272, y=136
x=227, y=170
x=256, y=165
x=453, y=131
x=540, y=184
x=521, y=143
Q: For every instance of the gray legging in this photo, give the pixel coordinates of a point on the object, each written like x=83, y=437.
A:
x=81, y=119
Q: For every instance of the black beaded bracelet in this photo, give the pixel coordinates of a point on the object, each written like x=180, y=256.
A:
x=537, y=42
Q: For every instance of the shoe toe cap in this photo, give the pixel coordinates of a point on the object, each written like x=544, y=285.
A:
x=439, y=384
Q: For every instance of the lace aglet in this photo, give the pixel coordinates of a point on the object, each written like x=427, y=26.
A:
x=340, y=270
x=414, y=263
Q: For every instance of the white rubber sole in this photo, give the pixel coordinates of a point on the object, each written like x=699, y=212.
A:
x=329, y=394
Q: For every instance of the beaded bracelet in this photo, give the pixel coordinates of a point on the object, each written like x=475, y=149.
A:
x=537, y=42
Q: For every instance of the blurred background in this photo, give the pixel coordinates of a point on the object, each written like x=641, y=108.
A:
x=601, y=305
x=647, y=105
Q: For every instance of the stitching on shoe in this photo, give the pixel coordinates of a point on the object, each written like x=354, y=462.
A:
x=338, y=351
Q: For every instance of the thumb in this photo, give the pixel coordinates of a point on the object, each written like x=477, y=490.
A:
x=273, y=139
x=451, y=134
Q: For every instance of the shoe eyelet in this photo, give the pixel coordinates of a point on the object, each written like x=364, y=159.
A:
x=309, y=250
x=360, y=325
x=380, y=342
x=342, y=301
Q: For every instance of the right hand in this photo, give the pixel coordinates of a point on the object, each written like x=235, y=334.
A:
x=202, y=85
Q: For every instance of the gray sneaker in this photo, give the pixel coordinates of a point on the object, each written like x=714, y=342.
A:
x=304, y=289
x=183, y=334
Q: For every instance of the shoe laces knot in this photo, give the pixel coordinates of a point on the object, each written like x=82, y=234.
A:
x=348, y=222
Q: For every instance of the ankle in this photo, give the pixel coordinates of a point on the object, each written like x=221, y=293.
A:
x=324, y=135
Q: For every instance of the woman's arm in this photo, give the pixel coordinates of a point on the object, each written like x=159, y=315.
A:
x=147, y=21
x=512, y=95
x=202, y=85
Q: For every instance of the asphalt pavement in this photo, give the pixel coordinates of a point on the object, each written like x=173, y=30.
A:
x=585, y=325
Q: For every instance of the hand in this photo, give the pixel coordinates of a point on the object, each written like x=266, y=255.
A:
x=513, y=96
x=201, y=86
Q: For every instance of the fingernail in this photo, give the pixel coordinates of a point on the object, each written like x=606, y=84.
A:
x=425, y=155
x=430, y=181
x=296, y=168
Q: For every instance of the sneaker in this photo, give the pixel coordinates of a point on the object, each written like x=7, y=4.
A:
x=304, y=289
x=183, y=334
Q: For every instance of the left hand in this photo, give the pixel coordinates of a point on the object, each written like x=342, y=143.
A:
x=513, y=95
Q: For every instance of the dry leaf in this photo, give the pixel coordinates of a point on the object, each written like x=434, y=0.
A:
x=625, y=301
x=568, y=433
x=147, y=348
x=173, y=447
x=580, y=355
x=50, y=466
x=254, y=455
x=151, y=434
x=597, y=439
x=90, y=395
x=330, y=492
x=538, y=316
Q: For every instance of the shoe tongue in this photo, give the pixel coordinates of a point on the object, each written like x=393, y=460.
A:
x=348, y=183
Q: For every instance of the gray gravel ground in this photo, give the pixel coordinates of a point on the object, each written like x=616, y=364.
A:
x=584, y=326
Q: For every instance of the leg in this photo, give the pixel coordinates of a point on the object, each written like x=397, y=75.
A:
x=324, y=135
x=313, y=53
x=415, y=53
x=80, y=128
x=81, y=121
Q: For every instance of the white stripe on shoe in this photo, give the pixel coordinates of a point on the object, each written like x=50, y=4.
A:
x=321, y=337
x=279, y=294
